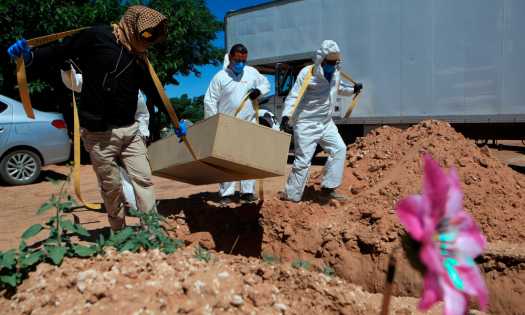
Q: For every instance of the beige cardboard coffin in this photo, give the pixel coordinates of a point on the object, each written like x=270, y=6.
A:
x=228, y=149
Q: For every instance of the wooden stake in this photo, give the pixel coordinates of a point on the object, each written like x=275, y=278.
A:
x=234, y=244
x=389, y=284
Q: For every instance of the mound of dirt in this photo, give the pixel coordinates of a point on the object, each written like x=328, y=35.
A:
x=154, y=283
x=385, y=166
x=356, y=237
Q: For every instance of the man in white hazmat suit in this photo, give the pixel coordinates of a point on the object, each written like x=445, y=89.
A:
x=225, y=94
x=141, y=115
x=312, y=121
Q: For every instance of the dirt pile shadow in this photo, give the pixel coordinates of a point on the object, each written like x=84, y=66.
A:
x=200, y=214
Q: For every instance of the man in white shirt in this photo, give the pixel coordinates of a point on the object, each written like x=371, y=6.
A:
x=225, y=94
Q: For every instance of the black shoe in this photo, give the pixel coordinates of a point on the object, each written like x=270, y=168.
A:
x=225, y=201
x=248, y=198
x=330, y=193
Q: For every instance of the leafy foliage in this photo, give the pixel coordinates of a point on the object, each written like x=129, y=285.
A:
x=59, y=245
x=150, y=234
x=192, y=27
x=15, y=265
x=201, y=253
x=326, y=271
x=269, y=259
x=191, y=109
x=301, y=264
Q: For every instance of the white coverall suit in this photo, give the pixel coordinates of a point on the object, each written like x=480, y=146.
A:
x=225, y=95
x=141, y=115
x=313, y=124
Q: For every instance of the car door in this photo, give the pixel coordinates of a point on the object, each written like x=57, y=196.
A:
x=6, y=121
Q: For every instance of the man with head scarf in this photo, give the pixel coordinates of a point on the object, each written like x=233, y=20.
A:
x=114, y=71
x=141, y=115
x=225, y=94
x=313, y=123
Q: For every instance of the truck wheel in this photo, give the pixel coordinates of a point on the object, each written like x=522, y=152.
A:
x=20, y=167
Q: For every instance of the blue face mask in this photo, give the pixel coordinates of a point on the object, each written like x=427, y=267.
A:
x=238, y=66
x=328, y=68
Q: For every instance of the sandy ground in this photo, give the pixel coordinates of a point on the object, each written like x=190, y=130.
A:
x=19, y=204
x=179, y=203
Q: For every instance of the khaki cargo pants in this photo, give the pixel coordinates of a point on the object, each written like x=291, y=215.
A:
x=123, y=146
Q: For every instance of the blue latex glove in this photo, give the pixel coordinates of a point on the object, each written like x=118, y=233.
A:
x=18, y=48
x=182, y=131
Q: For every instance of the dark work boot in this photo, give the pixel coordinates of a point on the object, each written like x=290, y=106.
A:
x=330, y=193
x=248, y=198
x=225, y=201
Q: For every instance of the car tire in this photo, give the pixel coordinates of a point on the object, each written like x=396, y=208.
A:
x=26, y=162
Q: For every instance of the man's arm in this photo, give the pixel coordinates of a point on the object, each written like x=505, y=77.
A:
x=262, y=85
x=212, y=97
x=77, y=80
x=294, y=93
x=345, y=89
x=142, y=115
x=74, y=46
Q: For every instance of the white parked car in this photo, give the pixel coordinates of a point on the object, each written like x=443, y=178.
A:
x=27, y=144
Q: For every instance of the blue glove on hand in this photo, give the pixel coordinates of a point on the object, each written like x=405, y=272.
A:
x=182, y=131
x=18, y=48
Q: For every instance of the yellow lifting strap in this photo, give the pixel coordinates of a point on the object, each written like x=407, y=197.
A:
x=305, y=86
x=168, y=106
x=21, y=67
x=351, y=107
x=76, y=143
x=26, y=101
x=256, y=107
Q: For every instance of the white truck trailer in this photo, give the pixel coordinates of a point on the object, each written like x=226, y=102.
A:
x=461, y=61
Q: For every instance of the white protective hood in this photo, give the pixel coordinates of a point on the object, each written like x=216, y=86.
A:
x=327, y=47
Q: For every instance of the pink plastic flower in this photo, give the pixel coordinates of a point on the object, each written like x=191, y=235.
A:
x=449, y=238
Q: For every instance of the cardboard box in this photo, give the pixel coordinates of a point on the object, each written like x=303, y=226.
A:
x=228, y=149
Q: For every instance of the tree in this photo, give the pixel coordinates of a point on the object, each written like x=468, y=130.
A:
x=190, y=109
x=192, y=27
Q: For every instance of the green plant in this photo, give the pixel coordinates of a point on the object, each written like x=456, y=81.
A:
x=201, y=253
x=150, y=234
x=59, y=244
x=15, y=265
x=269, y=259
x=301, y=264
x=326, y=271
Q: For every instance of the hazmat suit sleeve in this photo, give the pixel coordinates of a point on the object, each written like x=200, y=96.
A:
x=294, y=93
x=142, y=115
x=212, y=97
x=77, y=80
x=262, y=85
x=345, y=89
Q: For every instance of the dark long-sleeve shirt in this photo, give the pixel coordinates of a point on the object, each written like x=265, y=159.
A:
x=97, y=47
